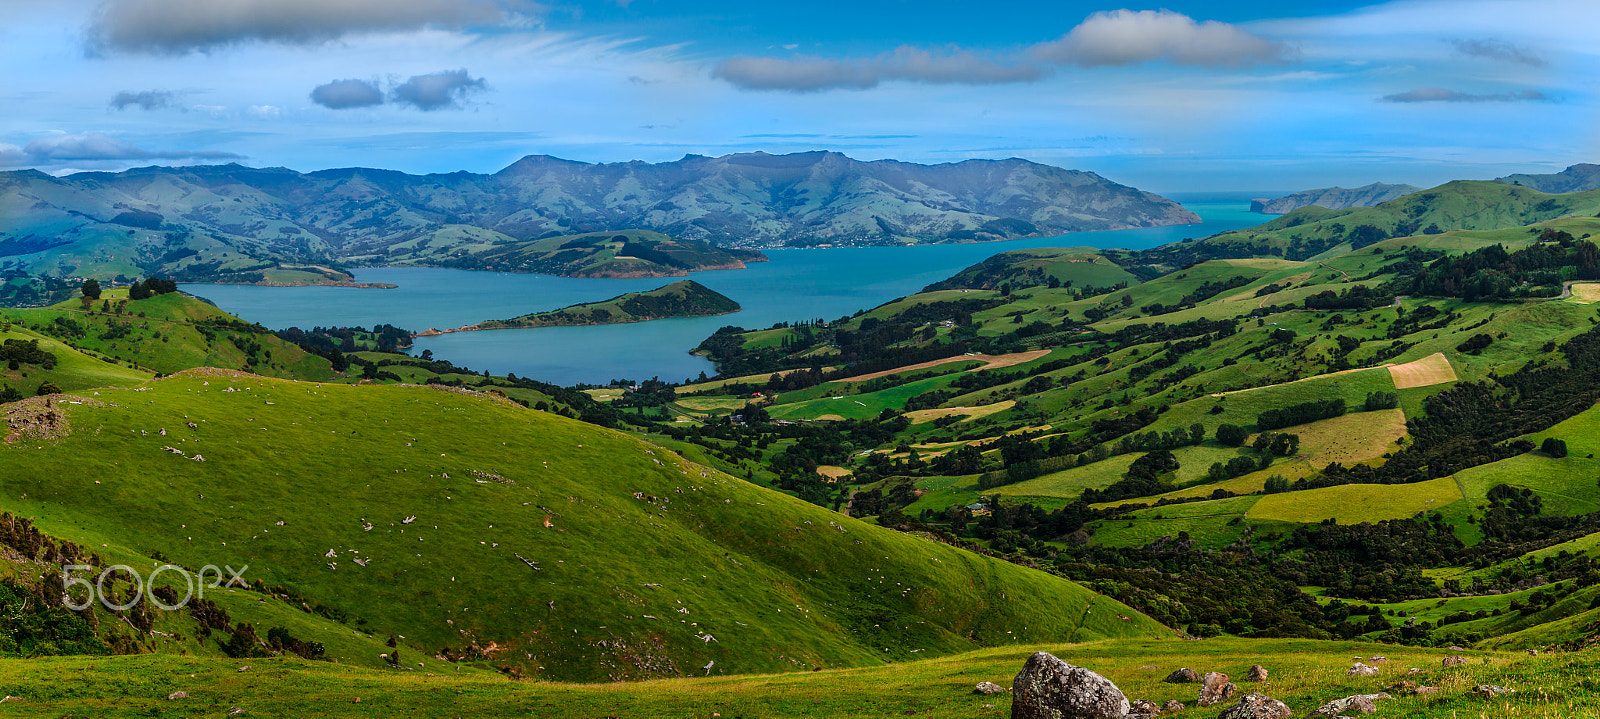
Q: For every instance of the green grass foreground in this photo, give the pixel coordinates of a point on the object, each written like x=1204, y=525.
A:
x=1304, y=674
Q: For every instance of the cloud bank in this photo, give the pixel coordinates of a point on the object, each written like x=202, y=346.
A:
x=1439, y=94
x=93, y=146
x=1500, y=50
x=1121, y=37
x=144, y=100
x=181, y=26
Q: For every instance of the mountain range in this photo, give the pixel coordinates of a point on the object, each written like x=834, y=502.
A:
x=210, y=222
x=1333, y=198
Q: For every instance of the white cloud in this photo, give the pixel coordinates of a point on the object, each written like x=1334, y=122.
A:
x=180, y=26
x=436, y=91
x=807, y=74
x=144, y=100
x=1129, y=37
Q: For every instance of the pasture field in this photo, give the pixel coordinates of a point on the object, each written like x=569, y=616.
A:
x=1356, y=503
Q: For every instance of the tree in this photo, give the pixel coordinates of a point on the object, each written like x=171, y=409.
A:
x=51, y=388
x=91, y=289
x=1231, y=434
x=1554, y=447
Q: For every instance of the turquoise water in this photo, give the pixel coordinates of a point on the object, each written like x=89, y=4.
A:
x=796, y=285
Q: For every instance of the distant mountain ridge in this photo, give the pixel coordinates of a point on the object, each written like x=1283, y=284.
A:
x=235, y=223
x=1577, y=178
x=1333, y=198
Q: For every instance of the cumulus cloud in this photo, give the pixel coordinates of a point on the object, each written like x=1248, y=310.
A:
x=1500, y=50
x=436, y=91
x=1129, y=37
x=144, y=100
x=1439, y=94
x=12, y=156
x=345, y=94
x=99, y=146
x=1122, y=37
x=180, y=26
x=810, y=74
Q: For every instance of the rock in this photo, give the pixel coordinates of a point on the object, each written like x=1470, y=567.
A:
x=1257, y=673
x=1256, y=706
x=1048, y=688
x=10, y=698
x=1378, y=658
x=1533, y=652
x=1454, y=661
x=178, y=695
x=234, y=711
x=1362, y=670
x=1144, y=706
x=1490, y=691
x=989, y=688
x=1183, y=676
x=1364, y=703
x=1409, y=687
x=1148, y=667
x=1172, y=705
x=1215, y=689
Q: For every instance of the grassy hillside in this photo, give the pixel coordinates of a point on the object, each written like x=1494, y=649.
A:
x=1070, y=266
x=601, y=557
x=685, y=298
x=1304, y=675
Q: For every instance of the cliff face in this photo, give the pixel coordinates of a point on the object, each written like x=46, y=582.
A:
x=1333, y=198
x=206, y=222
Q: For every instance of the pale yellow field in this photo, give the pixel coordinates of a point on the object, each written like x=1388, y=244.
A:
x=707, y=404
x=1430, y=370
x=1355, y=503
x=928, y=415
x=994, y=362
x=1586, y=293
x=832, y=473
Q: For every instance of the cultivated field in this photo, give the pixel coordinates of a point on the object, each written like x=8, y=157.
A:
x=1431, y=370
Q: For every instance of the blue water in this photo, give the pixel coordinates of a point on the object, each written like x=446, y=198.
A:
x=796, y=285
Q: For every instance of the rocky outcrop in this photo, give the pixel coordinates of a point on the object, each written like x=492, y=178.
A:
x=1184, y=675
x=1256, y=706
x=1490, y=691
x=1333, y=198
x=1364, y=703
x=1454, y=661
x=1216, y=688
x=1049, y=688
x=989, y=688
x=1361, y=670
x=1257, y=673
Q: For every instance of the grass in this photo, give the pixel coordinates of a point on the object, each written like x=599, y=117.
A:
x=1356, y=503
x=1211, y=522
x=781, y=584
x=1304, y=674
x=74, y=370
x=1567, y=485
x=856, y=406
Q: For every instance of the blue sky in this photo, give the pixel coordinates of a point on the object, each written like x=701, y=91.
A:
x=1185, y=96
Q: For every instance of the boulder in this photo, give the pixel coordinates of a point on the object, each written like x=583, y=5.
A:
x=1048, y=688
x=1257, y=673
x=1364, y=703
x=1256, y=706
x=1148, y=667
x=1215, y=689
x=1362, y=670
x=178, y=695
x=989, y=688
x=1182, y=676
x=1410, y=688
x=1172, y=705
x=1490, y=691
x=1454, y=661
x=1144, y=707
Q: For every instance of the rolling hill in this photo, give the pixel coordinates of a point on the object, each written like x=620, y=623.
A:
x=1333, y=198
x=685, y=298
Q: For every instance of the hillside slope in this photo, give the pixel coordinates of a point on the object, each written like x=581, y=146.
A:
x=1333, y=198
x=685, y=298
x=565, y=550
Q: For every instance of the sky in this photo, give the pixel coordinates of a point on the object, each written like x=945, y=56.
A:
x=1183, y=97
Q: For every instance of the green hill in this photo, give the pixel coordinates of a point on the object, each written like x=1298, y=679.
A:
x=1072, y=266
x=546, y=544
x=685, y=298
x=627, y=253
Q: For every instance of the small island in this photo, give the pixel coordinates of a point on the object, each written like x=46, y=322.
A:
x=685, y=298
x=622, y=254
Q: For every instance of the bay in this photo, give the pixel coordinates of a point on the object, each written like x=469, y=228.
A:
x=797, y=284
